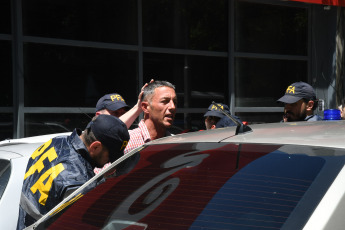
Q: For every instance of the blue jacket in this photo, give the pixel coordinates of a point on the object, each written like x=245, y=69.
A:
x=54, y=170
x=226, y=122
x=313, y=118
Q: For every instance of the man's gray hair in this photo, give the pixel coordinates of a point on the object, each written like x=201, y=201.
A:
x=150, y=89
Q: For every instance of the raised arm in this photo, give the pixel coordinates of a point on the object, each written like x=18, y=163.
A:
x=129, y=117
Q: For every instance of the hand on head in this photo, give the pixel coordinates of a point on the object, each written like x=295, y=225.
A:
x=142, y=92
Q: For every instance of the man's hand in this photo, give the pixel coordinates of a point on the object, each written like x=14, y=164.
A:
x=129, y=117
x=142, y=92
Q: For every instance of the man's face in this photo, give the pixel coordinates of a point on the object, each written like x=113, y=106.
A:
x=296, y=111
x=210, y=122
x=116, y=113
x=99, y=155
x=162, y=108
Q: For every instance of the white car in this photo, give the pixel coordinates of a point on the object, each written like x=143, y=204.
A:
x=14, y=155
x=272, y=176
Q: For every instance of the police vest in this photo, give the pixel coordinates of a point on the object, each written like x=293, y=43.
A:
x=53, y=169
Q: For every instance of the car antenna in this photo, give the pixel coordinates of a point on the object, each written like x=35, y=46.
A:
x=241, y=128
x=84, y=113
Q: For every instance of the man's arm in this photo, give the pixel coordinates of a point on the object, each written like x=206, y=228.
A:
x=129, y=117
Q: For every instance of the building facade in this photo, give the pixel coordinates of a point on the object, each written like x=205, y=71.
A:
x=59, y=57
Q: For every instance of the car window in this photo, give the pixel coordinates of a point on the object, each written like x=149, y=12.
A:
x=5, y=172
x=209, y=186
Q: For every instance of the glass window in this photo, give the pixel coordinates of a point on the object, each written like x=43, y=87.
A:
x=191, y=122
x=198, y=80
x=6, y=86
x=209, y=186
x=262, y=28
x=188, y=24
x=77, y=77
x=188, y=122
x=48, y=123
x=6, y=126
x=5, y=172
x=261, y=82
x=264, y=193
x=105, y=21
x=260, y=117
x=5, y=16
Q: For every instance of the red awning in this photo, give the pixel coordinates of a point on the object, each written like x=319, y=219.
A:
x=324, y=2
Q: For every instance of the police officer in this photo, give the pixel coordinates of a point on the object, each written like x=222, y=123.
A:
x=64, y=163
x=300, y=102
x=215, y=118
x=112, y=104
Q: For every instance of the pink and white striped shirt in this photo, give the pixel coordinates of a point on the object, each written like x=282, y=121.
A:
x=137, y=137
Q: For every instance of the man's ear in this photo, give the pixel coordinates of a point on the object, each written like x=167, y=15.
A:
x=310, y=105
x=144, y=106
x=213, y=126
x=95, y=147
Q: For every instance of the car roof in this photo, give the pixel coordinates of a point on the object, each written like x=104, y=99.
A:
x=220, y=158
x=34, y=139
x=318, y=133
x=18, y=150
x=13, y=148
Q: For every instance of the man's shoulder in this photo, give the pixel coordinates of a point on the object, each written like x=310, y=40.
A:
x=136, y=130
x=313, y=117
x=140, y=130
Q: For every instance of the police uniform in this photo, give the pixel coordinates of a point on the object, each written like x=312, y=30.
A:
x=55, y=169
x=313, y=118
x=216, y=111
x=297, y=91
x=227, y=122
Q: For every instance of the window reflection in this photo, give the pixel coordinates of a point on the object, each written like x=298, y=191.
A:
x=260, y=82
x=40, y=124
x=187, y=24
x=105, y=21
x=6, y=126
x=73, y=76
x=5, y=17
x=198, y=80
x=77, y=76
x=262, y=28
x=6, y=86
x=260, y=117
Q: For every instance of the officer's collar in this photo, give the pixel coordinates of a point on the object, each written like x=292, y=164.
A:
x=80, y=147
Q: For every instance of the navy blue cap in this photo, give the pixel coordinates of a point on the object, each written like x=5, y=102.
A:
x=214, y=111
x=112, y=133
x=112, y=102
x=227, y=122
x=297, y=91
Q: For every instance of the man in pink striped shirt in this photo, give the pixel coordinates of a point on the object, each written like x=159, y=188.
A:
x=159, y=103
x=159, y=106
